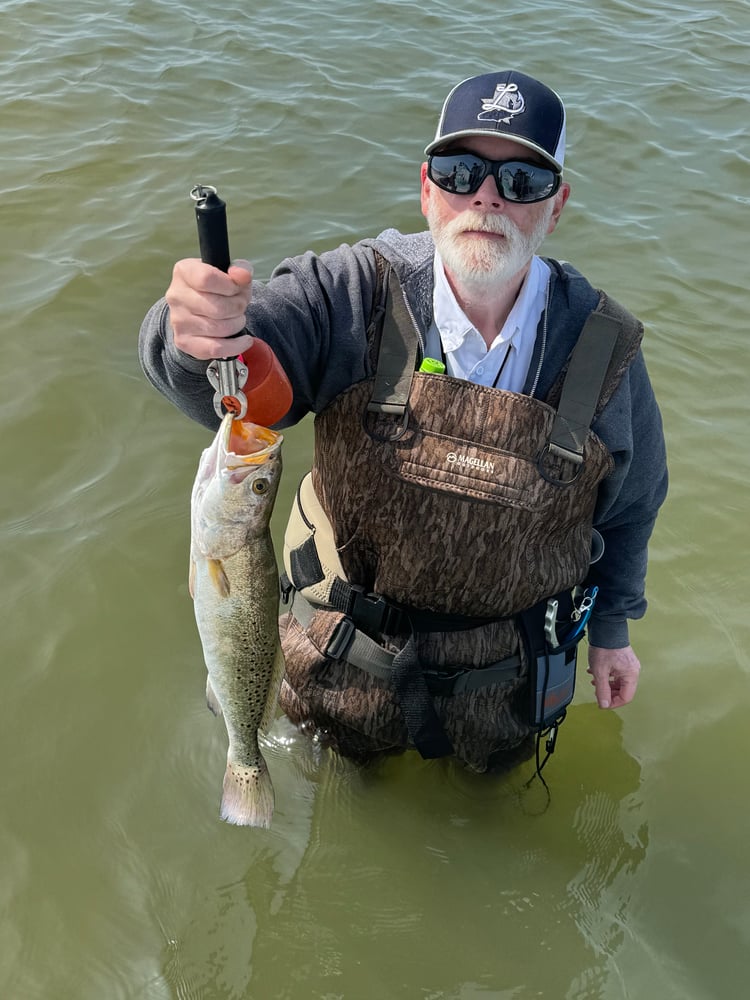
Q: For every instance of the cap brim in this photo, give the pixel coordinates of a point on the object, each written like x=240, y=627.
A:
x=446, y=140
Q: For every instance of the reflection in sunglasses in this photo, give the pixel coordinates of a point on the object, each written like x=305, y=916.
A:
x=517, y=180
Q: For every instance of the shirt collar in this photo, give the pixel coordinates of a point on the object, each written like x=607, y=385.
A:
x=455, y=326
x=450, y=319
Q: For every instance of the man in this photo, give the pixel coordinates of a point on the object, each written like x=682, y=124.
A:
x=438, y=556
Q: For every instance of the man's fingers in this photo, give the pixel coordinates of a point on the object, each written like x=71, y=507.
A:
x=614, y=674
x=194, y=274
x=623, y=690
x=241, y=272
x=602, y=688
x=187, y=302
x=211, y=348
x=207, y=306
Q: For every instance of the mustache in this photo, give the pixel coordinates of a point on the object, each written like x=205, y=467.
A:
x=479, y=222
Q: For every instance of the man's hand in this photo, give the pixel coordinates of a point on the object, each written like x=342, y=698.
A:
x=614, y=675
x=206, y=306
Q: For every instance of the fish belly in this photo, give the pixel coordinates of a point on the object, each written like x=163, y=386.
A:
x=238, y=626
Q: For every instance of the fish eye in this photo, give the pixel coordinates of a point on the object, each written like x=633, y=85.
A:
x=260, y=486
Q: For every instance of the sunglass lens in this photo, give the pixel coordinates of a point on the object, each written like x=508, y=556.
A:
x=459, y=173
x=525, y=182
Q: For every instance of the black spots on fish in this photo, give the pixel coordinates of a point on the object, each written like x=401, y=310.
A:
x=252, y=688
x=248, y=778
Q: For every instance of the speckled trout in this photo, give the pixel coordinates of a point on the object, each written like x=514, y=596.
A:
x=235, y=589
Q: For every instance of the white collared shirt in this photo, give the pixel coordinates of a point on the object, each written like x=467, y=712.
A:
x=466, y=354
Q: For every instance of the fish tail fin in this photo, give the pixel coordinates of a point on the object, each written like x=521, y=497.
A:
x=248, y=797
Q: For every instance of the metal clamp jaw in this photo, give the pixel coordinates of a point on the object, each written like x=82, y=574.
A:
x=228, y=377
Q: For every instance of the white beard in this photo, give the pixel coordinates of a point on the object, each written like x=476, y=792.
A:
x=478, y=263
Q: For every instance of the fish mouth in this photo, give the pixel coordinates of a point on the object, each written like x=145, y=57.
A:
x=246, y=444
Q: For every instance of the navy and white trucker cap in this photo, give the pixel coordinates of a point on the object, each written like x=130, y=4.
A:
x=508, y=104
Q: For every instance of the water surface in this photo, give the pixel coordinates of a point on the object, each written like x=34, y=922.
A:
x=417, y=880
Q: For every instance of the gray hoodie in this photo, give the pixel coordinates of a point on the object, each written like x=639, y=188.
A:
x=314, y=313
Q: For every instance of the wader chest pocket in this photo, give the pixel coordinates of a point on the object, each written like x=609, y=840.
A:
x=451, y=465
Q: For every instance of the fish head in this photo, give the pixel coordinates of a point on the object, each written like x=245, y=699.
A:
x=235, y=487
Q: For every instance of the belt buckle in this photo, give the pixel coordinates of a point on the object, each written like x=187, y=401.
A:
x=442, y=682
x=372, y=613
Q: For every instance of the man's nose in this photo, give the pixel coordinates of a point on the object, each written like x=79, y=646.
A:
x=487, y=196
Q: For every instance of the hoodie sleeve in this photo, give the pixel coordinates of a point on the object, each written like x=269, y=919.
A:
x=629, y=500
x=313, y=312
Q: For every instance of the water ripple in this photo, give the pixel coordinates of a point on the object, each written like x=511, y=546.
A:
x=118, y=877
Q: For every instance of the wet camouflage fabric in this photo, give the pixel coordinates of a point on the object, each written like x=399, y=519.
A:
x=446, y=513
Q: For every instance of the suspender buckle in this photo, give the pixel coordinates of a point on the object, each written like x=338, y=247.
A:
x=341, y=639
x=549, y=457
x=371, y=613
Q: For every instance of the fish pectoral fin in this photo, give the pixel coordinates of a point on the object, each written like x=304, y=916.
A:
x=218, y=577
x=191, y=578
x=211, y=700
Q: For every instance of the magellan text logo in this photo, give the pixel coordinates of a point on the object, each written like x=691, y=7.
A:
x=467, y=461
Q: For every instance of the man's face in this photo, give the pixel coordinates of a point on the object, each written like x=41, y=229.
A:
x=481, y=238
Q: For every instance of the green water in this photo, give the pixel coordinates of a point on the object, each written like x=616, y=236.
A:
x=416, y=881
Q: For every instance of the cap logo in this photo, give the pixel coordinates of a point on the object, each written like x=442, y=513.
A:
x=504, y=105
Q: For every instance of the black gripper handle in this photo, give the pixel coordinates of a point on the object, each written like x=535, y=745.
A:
x=211, y=214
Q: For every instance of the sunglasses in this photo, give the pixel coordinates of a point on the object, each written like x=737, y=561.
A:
x=517, y=180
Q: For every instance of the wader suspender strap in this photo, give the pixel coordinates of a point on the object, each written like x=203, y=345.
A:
x=397, y=358
x=582, y=386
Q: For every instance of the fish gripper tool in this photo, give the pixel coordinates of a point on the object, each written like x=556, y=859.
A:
x=227, y=375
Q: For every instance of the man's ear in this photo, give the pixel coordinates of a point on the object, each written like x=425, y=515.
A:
x=425, y=189
x=560, y=198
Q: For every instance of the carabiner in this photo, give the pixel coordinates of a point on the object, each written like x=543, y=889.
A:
x=584, y=608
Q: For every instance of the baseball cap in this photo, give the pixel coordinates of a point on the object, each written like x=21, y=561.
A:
x=508, y=104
